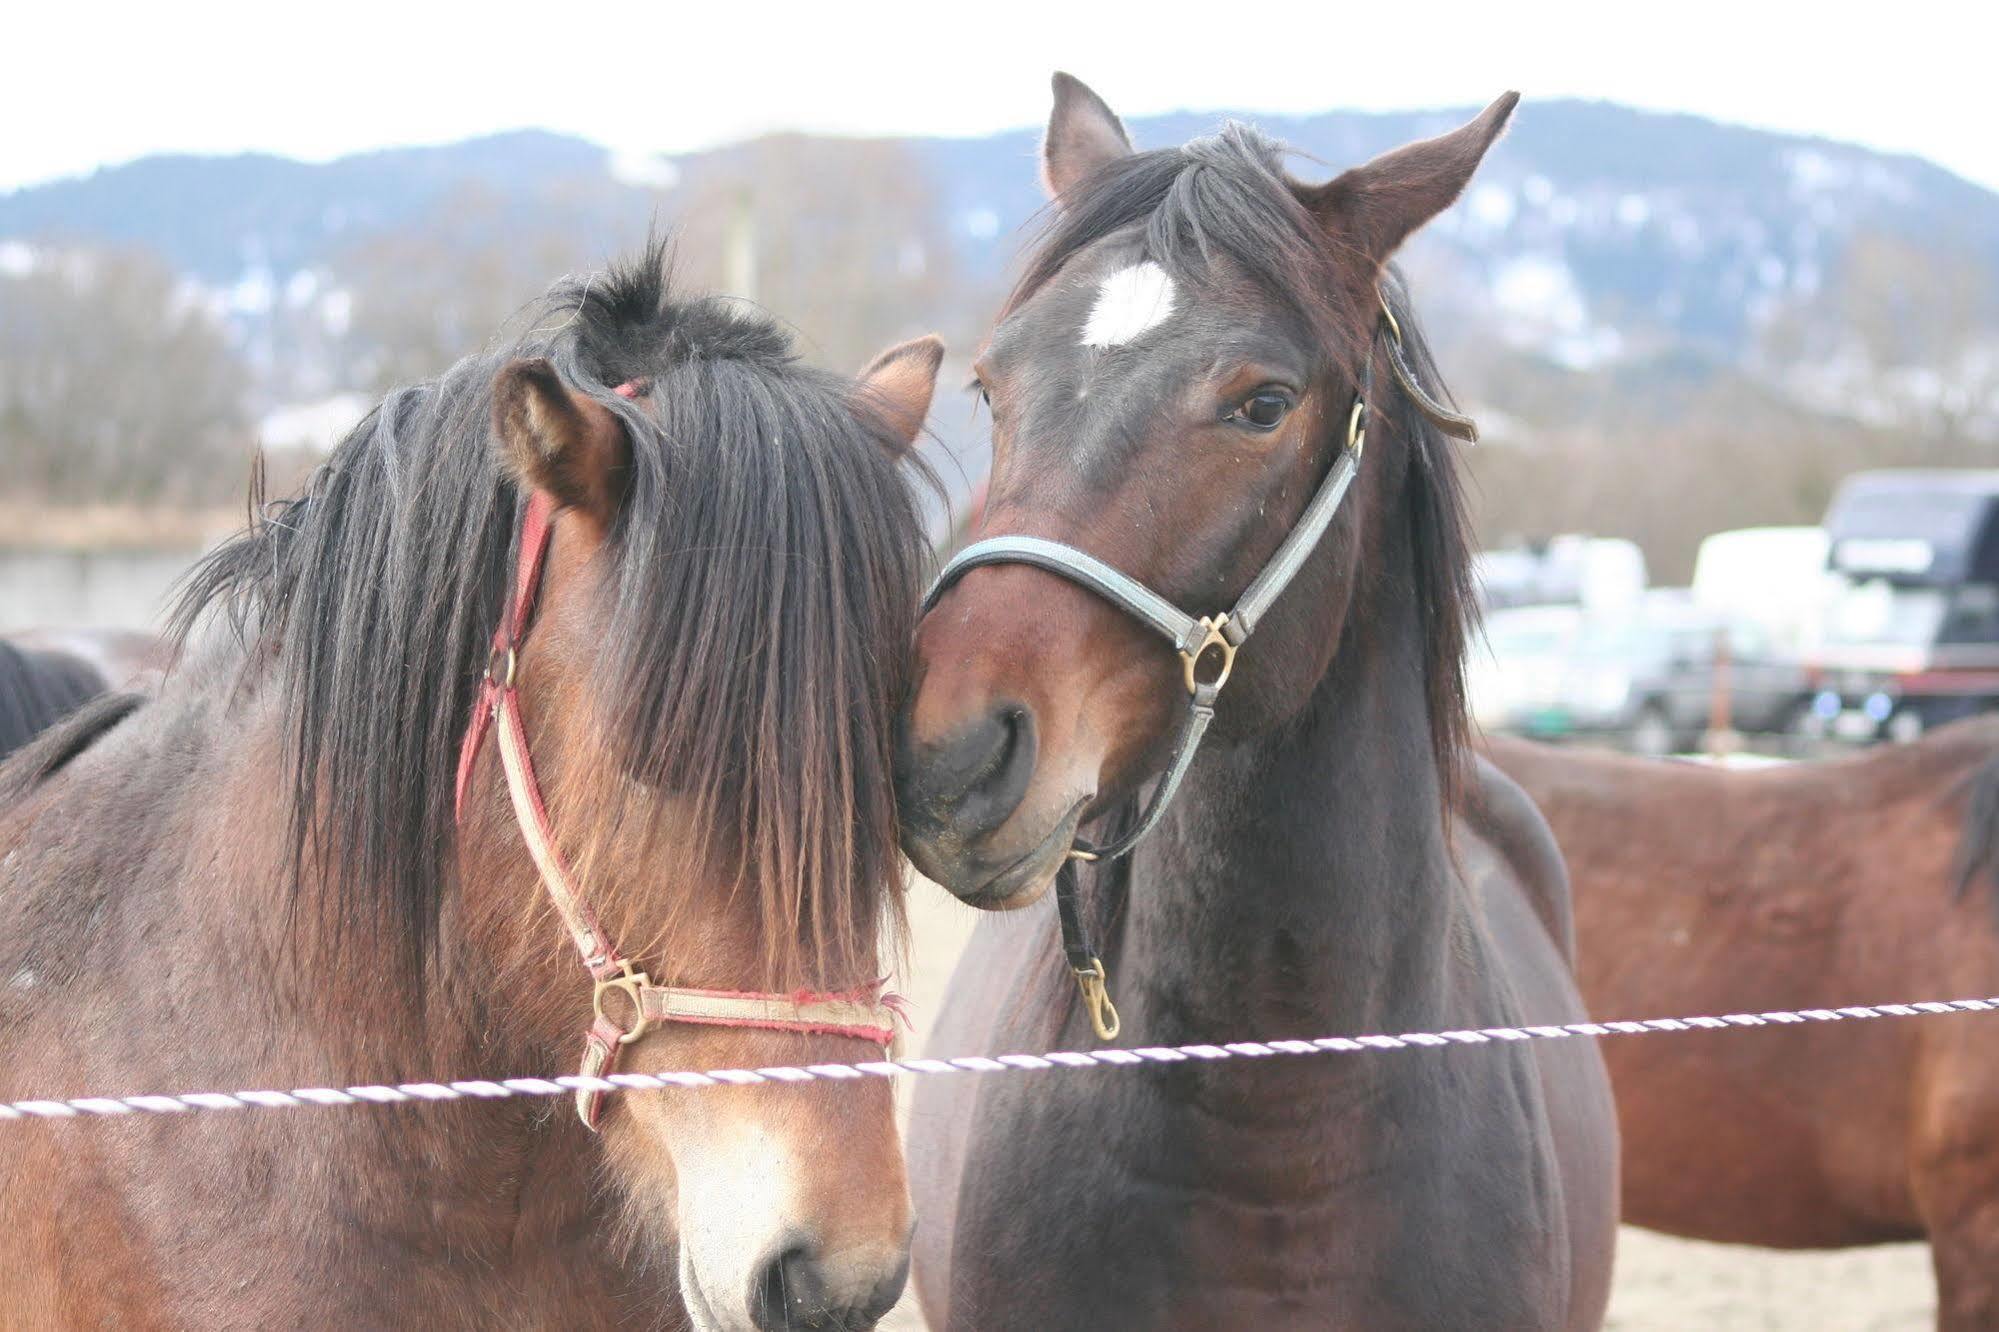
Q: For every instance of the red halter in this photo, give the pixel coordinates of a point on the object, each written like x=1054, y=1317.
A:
x=865, y=1012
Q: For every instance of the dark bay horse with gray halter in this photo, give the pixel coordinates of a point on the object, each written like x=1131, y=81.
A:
x=1199, y=400
x=595, y=641
x=1861, y=880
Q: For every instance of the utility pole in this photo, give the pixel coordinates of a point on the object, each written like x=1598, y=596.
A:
x=739, y=246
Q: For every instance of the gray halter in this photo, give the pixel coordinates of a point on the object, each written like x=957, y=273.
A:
x=1190, y=636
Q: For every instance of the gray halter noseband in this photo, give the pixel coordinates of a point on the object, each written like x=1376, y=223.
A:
x=1192, y=637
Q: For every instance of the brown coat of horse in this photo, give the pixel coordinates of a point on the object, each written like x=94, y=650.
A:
x=1704, y=890
x=257, y=879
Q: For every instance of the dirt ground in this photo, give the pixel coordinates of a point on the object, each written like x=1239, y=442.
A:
x=1663, y=1284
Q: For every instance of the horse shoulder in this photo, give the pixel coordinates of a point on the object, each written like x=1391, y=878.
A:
x=1499, y=822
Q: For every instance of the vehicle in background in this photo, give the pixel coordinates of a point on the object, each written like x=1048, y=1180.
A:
x=1600, y=573
x=1516, y=675
x=1648, y=678
x=1911, y=640
x=1772, y=577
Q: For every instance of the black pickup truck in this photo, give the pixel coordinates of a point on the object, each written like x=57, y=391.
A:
x=1911, y=639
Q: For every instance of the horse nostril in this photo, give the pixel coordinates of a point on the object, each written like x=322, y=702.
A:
x=788, y=1292
x=791, y=1292
x=985, y=772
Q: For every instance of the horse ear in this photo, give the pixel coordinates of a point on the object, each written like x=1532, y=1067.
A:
x=899, y=384
x=1378, y=206
x=560, y=441
x=1083, y=135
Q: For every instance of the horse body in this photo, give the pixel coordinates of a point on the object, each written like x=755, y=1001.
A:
x=257, y=879
x=1708, y=890
x=1170, y=388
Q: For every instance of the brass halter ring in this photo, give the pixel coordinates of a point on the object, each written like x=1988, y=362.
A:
x=1190, y=660
x=632, y=984
x=500, y=667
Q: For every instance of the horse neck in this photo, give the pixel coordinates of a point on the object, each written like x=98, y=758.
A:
x=501, y=927
x=1302, y=884
x=339, y=1007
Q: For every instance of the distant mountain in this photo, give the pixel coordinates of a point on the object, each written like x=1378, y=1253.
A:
x=219, y=217
x=1595, y=233
x=1590, y=218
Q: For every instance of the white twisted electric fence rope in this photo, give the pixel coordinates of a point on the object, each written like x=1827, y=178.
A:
x=482, y=1090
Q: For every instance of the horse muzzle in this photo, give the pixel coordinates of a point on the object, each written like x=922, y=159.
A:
x=973, y=818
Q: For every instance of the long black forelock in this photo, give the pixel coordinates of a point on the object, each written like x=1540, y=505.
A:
x=369, y=599
x=765, y=596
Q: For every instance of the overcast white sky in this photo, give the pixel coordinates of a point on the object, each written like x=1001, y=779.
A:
x=82, y=86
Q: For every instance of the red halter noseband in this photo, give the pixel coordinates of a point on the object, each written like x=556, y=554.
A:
x=864, y=1013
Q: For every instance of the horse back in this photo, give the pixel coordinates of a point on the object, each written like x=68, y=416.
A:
x=54, y=749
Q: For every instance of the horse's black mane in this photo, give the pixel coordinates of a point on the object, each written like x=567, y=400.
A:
x=38, y=689
x=762, y=588
x=1221, y=209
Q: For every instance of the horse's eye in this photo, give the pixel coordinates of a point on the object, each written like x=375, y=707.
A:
x=1264, y=409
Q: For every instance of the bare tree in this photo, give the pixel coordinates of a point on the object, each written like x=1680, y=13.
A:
x=1911, y=335
x=428, y=292
x=116, y=384
x=843, y=238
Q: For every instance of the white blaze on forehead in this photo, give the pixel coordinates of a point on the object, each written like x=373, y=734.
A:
x=1130, y=301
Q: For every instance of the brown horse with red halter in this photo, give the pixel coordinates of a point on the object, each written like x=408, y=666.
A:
x=1223, y=553
x=1860, y=880
x=665, y=567
x=859, y=1013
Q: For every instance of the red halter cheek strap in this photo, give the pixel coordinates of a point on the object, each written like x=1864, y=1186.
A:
x=865, y=1013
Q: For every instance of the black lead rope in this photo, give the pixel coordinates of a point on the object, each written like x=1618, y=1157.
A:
x=1076, y=943
x=1078, y=948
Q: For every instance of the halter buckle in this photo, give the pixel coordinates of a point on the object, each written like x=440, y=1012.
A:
x=1212, y=627
x=633, y=984
x=1094, y=986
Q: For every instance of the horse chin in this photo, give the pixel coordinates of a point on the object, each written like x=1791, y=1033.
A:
x=1017, y=883
x=700, y=1315
x=735, y=1188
